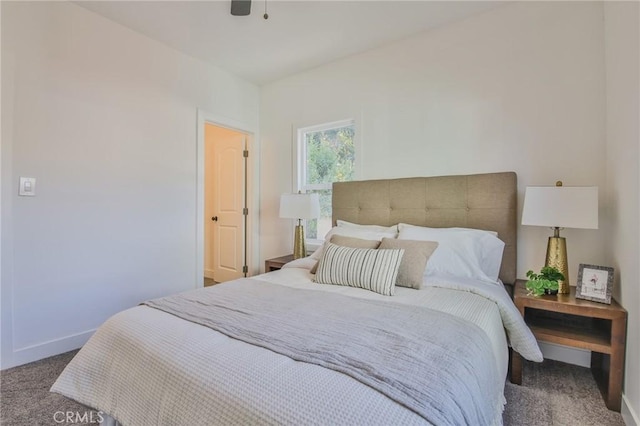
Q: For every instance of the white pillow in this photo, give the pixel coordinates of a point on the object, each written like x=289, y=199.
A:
x=370, y=269
x=364, y=232
x=461, y=252
x=375, y=228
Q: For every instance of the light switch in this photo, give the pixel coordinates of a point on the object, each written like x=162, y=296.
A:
x=27, y=187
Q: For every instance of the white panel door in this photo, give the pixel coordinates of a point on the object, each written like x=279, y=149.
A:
x=228, y=204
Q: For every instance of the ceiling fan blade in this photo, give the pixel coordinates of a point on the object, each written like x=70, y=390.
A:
x=240, y=7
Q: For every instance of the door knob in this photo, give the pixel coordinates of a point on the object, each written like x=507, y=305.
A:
x=214, y=218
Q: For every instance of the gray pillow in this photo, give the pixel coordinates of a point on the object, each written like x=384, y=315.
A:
x=341, y=240
x=414, y=260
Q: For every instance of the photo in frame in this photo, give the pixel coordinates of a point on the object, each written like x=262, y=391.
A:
x=595, y=283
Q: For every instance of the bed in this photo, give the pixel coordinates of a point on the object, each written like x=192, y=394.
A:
x=289, y=350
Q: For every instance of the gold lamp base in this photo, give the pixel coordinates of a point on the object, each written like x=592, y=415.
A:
x=299, y=249
x=557, y=257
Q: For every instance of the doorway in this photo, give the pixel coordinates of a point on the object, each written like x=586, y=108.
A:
x=226, y=209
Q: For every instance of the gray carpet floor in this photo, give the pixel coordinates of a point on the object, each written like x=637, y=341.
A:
x=553, y=393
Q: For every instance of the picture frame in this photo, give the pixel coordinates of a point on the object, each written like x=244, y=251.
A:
x=595, y=283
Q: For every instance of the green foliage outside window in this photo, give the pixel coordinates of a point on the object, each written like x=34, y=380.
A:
x=330, y=157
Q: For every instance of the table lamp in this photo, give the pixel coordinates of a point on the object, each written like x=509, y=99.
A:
x=299, y=206
x=560, y=207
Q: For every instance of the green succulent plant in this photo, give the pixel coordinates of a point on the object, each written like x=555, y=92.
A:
x=547, y=279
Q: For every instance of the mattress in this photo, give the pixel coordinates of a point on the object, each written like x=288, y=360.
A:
x=145, y=366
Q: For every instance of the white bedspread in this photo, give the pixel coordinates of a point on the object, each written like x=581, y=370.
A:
x=138, y=362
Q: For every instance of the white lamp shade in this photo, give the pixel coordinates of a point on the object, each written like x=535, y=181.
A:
x=561, y=206
x=299, y=206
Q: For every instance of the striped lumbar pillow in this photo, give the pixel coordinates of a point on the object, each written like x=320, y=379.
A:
x=371, y=269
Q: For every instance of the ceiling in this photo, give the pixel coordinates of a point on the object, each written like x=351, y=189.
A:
x=298, y=35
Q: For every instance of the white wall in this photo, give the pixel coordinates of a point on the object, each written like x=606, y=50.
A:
x=105, y=119
x=518, y=88
x=622, y=49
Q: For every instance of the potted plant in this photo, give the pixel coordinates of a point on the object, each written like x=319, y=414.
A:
x=546, y=282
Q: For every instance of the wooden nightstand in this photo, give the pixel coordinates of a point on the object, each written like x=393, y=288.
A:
x=578, y=323
x=277, y=262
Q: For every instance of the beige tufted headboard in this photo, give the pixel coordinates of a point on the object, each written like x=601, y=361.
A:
x=484, y=201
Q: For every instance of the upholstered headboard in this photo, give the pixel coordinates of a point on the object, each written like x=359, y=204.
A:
x=484, y=201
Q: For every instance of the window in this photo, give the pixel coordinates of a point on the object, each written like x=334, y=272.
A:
x=326, y=154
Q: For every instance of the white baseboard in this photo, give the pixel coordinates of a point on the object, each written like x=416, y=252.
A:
x=628, y=414
x=566, y=354
x=208, y=273
x=50, y=348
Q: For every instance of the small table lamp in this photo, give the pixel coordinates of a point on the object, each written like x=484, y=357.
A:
x=560, y=207
x=299, y=206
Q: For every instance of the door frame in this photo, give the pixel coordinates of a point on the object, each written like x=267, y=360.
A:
x=252, y=236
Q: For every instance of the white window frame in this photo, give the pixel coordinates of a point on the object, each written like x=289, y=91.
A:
x=301, y=171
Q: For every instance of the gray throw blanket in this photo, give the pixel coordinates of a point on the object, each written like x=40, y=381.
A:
x=430, y=362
